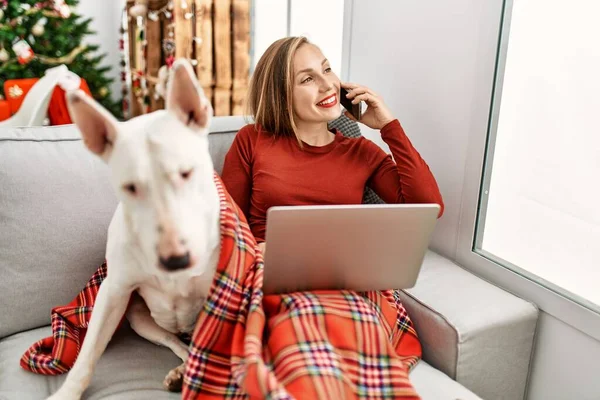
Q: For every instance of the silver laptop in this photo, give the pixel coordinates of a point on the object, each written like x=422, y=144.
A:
x=354, y=247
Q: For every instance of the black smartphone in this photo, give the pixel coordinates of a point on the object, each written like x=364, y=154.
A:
x=354, y=109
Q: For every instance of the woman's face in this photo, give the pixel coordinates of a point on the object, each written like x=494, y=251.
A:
x=316, y=88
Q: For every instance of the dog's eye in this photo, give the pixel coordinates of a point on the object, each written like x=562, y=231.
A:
x=131, y=188
x=186, y=174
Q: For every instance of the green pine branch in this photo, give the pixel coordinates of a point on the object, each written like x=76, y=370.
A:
x=61, y=36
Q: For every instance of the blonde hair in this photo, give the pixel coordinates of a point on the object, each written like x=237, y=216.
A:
x=270, y=91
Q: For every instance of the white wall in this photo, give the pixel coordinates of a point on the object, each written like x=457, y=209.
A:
x=423, y=58
x=419, y=56
x=106, y=22
x=565, y=364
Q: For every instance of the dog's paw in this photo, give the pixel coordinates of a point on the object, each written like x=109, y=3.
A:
x=174, y=379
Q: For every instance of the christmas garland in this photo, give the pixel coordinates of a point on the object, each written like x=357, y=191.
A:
x=67, y=59
x=15, y=21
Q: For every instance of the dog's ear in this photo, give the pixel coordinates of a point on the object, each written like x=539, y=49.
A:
x=186, y=98
x=98, y=127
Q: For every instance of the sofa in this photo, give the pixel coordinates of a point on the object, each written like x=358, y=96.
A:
x=55, y=207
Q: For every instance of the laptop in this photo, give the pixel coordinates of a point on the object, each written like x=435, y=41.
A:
x=353, y=247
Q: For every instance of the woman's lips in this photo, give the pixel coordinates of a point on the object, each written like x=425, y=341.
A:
x=328, y=102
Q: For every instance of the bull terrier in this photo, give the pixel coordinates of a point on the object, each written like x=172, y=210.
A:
x=164, y=238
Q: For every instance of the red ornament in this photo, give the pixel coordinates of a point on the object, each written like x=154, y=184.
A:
x=23, y=51
x=169, y=61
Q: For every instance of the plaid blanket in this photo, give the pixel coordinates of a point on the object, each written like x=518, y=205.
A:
x=323, y=344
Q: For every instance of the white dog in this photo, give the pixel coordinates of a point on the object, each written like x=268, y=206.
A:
x=163, y=241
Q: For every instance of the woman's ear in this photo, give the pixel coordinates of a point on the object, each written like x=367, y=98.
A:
x=186, y=98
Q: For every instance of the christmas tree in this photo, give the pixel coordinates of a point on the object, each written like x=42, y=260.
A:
x=37, y=35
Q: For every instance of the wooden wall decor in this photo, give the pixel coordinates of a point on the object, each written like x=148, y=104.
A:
x=241, y=54
x=213, y=34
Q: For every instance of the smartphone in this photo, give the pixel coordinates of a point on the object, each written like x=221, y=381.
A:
x=354, y=109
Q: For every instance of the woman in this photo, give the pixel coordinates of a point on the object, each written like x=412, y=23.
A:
x=289, y=157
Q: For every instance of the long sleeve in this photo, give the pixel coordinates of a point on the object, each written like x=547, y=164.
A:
x=237, y=170
x=408, y=179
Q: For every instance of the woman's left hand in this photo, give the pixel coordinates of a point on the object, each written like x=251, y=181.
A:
x=377, y=114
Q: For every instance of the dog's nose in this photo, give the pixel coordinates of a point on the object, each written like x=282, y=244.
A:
x=175, y=263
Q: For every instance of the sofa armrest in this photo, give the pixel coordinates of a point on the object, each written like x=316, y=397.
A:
x=473, y=331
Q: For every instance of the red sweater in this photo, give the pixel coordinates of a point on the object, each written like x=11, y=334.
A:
x=261, y=172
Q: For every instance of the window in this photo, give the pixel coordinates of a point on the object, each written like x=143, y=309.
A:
x=320, y=21
x=539, y=211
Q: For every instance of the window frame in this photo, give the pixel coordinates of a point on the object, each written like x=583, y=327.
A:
x=489, y=73
x=346, y=34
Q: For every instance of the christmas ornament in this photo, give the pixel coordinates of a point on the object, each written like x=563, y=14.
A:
x=103, y=92
x=65, y=11
x=124, y=54
x=4, y=56
x=38, y=30
x=62, y=8
x=23, y=51
x=139, y=78
x=1, y=13
x=139, y=9
x=169, y=49
x=169, y=46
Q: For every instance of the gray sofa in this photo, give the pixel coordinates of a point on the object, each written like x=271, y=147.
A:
x=55, y=206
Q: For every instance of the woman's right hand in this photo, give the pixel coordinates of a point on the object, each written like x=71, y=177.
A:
x=377, y=114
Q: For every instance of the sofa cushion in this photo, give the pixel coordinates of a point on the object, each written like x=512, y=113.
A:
x=55, y=206
x=133, y=368
x=432, y=384
x=473, y=331
x=223, y=131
